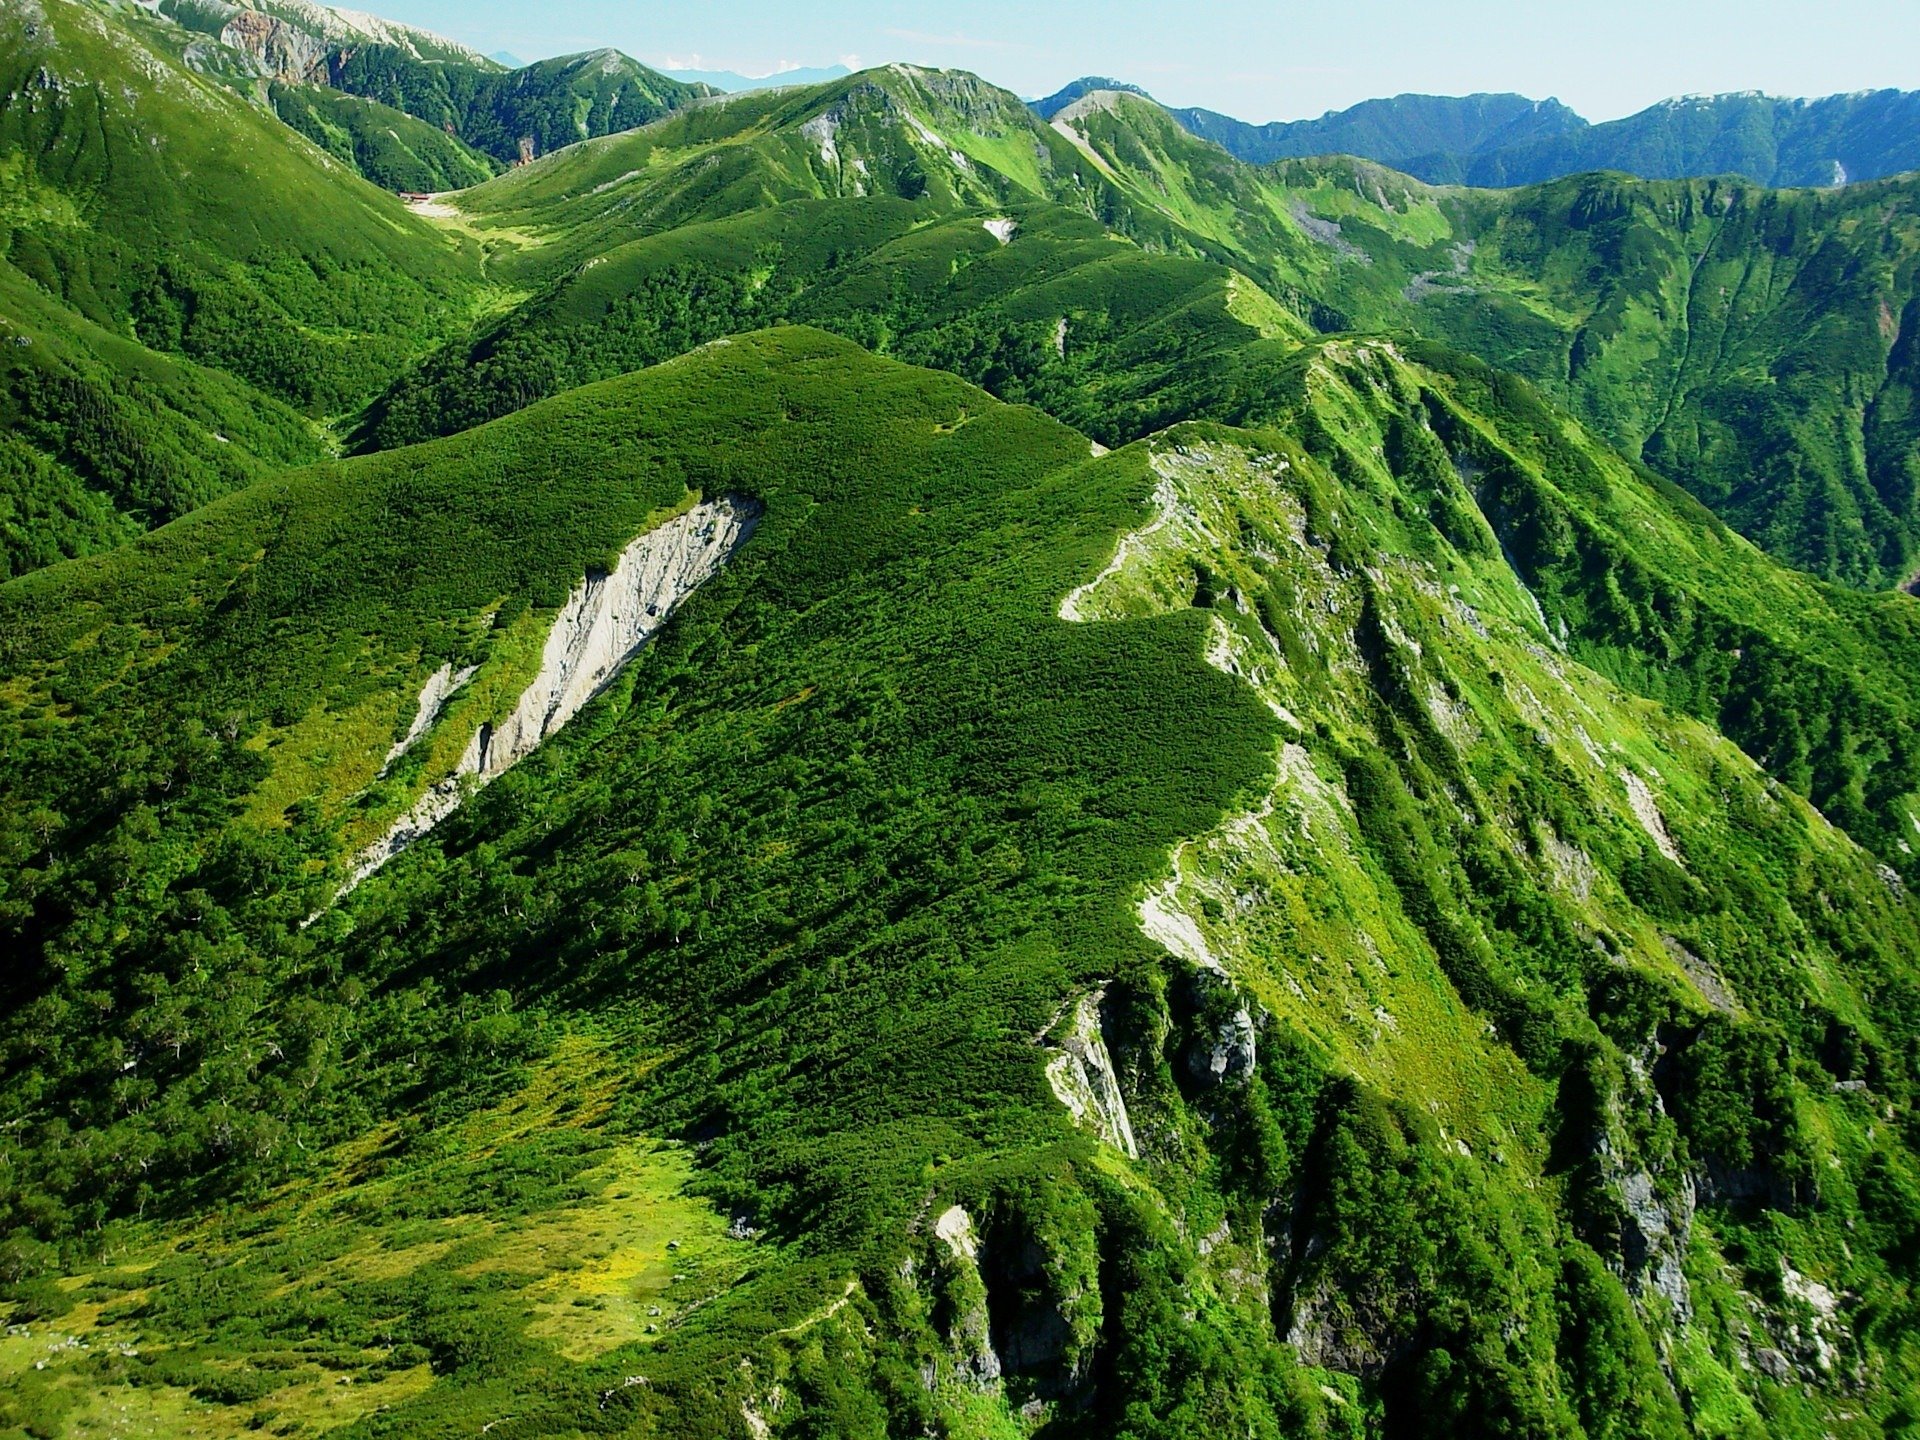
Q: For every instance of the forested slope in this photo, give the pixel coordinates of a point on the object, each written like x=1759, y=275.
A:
x=1450, y=1031
x=184, y=280
x=1161, y=820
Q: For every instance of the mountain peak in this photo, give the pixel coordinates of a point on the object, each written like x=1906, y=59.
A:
x=1050, y=106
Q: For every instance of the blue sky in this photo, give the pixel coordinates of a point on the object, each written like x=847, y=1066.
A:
x=1258, y=59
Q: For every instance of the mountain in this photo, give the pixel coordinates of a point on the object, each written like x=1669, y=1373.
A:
x=851, y=206
x=292, y=38
x=1051, y=105
x=461, y=115
x=1830, y=141
x=732, y=82
x=1704, y=327
x=1507, y=140
x=387, y=146
x=172, y=312
x=940, y=772
x=1228, y=793
x=1414, y=133
x=553, y=103
x=1795, y=291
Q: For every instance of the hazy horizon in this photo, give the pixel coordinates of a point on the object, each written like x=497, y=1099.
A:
x=1285, y=62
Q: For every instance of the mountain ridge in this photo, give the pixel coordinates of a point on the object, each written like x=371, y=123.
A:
x=732, y=82
x=1329, y=793
x=937, y=772
x=1510, y=140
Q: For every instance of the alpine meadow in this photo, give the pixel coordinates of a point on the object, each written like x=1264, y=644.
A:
x=867, y=759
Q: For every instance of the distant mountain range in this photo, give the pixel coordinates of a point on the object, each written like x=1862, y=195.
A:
x=1501, y=140
x=409, y=109
x=733, y=82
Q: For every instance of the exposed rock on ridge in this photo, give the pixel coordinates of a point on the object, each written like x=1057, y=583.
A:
x=604, y=624
x=1082, y=1076
x=441, y=687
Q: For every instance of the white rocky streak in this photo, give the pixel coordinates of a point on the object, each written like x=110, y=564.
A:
x=604, y=624
x=955, y=1228
x=1170, y=927
x=1083, y=1079
x=821, y=131
x=1001, y=229
x=1166, y=503
x=441, y=687
x=1648, y=814
x=1825, y=1306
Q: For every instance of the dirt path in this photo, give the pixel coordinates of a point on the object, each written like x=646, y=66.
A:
x=433, y=207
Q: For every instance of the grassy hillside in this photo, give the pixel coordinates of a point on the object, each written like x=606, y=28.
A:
x=1210, y=864
x=389, y=147
x=1748, y=344
x=105, y=438
x=1498, y=1051
x=547, y=105
x=184, y=279
x=1060, y=313
x=1102, y=331
x=204, y=243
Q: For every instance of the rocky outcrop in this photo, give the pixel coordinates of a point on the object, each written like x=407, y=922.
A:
x=283, y=52
x=604, y=624
x=962, y=1310
x=1082, y=1075
x=1653, y=1239
x=1015, y=1300
x=1643, y=1202
x=441, y=687
x=1224, y=1047
x=1225, y=1057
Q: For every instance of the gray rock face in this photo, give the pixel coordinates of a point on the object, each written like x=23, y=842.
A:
x=283, y=52
x=603, y=625
x=1329, y=1331
x=1654, y=1230
x=1227, y=1058
x=967, y=1327
x=1654, y=1238
x=441, y=687
x=1082, y=1075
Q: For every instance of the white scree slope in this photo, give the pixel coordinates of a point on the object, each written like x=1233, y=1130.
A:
x=604, y=624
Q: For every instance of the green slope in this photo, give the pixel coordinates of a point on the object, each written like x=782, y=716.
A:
x=544, y=106
x=181, y=275
x=105, y=438
x=1501, y=1052
x=1061, y=314
x=1746, y=343
x=1749, y=344
x=387, y=146
x=204, y=243
x=1100, y=330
